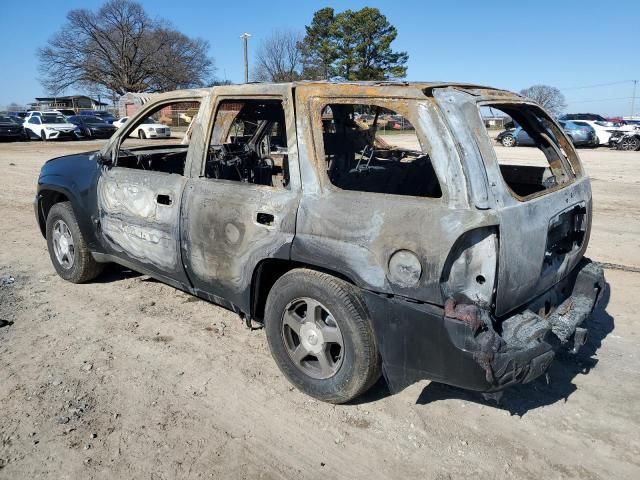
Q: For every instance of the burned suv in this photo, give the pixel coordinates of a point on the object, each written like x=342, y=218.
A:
x=421, y=252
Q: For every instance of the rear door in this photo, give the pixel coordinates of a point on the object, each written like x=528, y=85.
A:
x=240, y=207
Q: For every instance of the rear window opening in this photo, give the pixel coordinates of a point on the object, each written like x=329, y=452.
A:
x=369, y=148
x=529, y=149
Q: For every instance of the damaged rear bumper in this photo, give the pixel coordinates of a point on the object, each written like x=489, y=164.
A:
x=464, y=346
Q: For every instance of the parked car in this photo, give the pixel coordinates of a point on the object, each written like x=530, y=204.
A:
x=10, y=128
x=106, y=116
x=51, y=127
x=328, y=244
x=19, y=115
x=514, y=136
x=149, y=128
x=118, y=123
x=92, y=127
x=603, y=129
x=398, y=123
x=580, y=135
x=625, y=140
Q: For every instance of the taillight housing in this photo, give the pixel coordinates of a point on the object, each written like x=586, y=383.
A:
x=470, y=272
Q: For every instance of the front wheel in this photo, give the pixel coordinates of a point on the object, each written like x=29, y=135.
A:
x=68, y=251
x=141, y=134
x=320, y=335
x=43, y=136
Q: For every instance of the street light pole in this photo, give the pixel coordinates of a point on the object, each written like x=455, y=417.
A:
x=633, y=98
x=245, y=37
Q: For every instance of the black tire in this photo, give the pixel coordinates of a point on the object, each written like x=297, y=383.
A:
x=87, y=132
x=508, y=141
x=360, y=365
x=627, y=143
x=84, y=267
x=141, y=134
x=43, y=136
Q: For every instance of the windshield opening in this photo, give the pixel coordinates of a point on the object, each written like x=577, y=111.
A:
x=532, y=153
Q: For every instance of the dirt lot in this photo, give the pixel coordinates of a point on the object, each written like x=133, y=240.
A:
x=129, y=378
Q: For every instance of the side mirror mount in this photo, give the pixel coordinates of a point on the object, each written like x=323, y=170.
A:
x=103, y=160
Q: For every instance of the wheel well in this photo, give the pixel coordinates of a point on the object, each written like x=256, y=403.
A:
x=265, y=275
x=46, y=200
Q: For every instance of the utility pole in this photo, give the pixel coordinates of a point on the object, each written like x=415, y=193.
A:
x=245, y=37
x=633, y=98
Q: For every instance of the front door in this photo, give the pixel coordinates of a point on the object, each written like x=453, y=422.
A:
x=241, y=207
x=139, y=195
x=139, y=219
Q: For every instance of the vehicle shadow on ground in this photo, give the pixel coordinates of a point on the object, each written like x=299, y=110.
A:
x=520, y=399
x=114, y=273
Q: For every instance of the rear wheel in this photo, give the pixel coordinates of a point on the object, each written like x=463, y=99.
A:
x=629, y=143
x=320, y=335
x=508, y=141
x=68, y=251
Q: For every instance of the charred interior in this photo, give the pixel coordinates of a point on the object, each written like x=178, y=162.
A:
x=357, y=158
x=533, y=129
x=169, y=159
x=249, y=143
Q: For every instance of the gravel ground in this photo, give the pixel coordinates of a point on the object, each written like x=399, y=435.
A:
x=128, y=378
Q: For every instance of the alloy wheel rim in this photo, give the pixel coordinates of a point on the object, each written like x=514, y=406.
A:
x=312, y=338
x=63, y=246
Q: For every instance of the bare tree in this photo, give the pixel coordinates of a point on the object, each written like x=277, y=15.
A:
x=550, y=98
x=279, y=57
x=120, y=49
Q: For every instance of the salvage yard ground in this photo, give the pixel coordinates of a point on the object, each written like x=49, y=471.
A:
x=128, y=378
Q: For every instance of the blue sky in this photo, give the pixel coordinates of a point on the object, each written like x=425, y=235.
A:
x=567, y=44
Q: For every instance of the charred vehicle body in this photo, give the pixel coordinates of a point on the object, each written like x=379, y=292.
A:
x=419, y=255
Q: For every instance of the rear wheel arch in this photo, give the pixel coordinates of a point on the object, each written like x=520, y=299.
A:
x=268, y=271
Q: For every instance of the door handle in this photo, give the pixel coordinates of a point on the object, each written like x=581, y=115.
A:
x=264, y=218
x=164, y=199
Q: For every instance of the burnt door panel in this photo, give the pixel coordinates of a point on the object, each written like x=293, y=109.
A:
x=139, y=218
x=228, y=228
x=541, y=242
